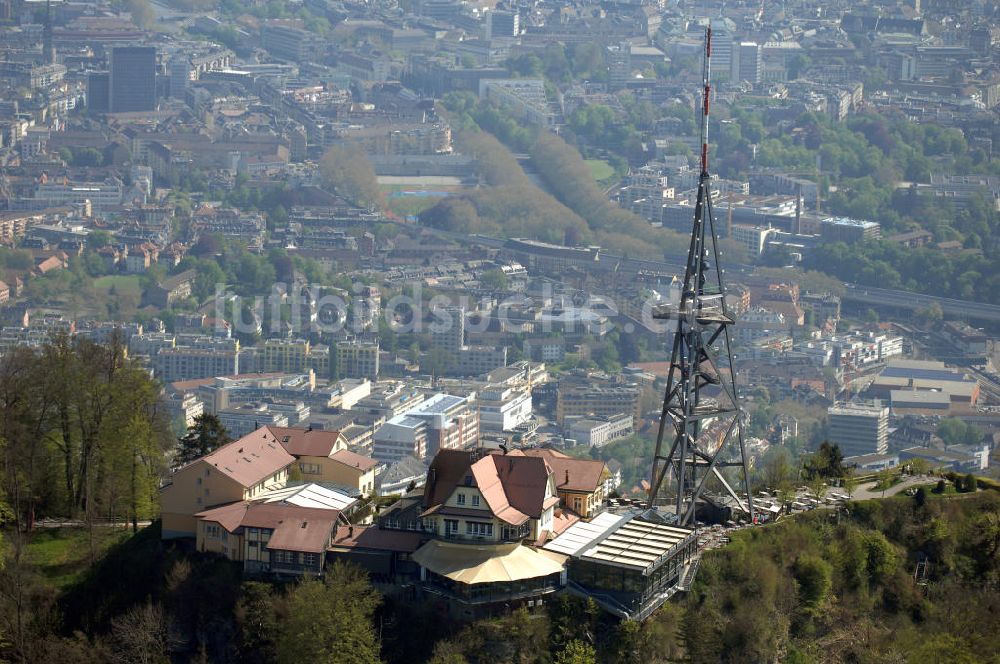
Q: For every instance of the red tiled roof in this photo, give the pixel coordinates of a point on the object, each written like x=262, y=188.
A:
x=251, y=458
x=354, y=460
x=489, y=483
x=310, y=534
x=306, y=442
x=263, y=515
x=514, y=486
x=526, y=481
x=229, y=516
x=571, y=474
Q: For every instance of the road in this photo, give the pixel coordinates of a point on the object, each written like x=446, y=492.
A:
x=868, y=492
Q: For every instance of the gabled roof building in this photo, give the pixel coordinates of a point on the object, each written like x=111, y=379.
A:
x=242, y=470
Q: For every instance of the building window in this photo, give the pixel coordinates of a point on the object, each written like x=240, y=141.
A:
x=460, y=499
x=450, y=527
x=310, y=468
x=478, y=529
x=310, y=559
x=475, y=500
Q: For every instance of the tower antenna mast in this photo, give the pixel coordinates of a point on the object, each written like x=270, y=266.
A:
x=701, y=403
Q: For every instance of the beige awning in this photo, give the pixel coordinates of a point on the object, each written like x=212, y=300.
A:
x=494, y=563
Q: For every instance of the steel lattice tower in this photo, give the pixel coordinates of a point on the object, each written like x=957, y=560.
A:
x=701, y=402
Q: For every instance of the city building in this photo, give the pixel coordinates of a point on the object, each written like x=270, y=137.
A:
x=957, y=458
x=851, y=231
x=400, y=437
x=188, y=363
x=132, y=81
x=448, y=331
x=244, y=418
x=589, y=400
x=441, y=422
x=503, y=408
x=749, y=63
x=357, y=359
x=919, y=385
x=501, y=23
x=859, y=428
x=98, y=91
x=599, y=431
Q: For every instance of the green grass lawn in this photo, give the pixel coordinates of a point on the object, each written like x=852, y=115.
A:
x=122, y=283
x=600, y=169
x=61, y=555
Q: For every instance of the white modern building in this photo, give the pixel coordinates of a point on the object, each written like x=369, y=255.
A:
x=503, y=408
x=859, y=428
x=599, y=431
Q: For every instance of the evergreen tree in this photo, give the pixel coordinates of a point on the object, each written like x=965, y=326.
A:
x=206, y=435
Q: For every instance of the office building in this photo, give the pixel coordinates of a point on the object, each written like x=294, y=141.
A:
x=850, y=231
x=599, y=431
x=448, y=331
x=133, y=79
x=590, y=400
x=619, y=65
x=859, y=428
x=180, y=75
x=500, y=23
x=98, y=91
x=749, y=63
x=503, y=408
x=441, y=422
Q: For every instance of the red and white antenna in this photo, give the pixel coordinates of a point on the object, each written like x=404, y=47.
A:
x=706, y=80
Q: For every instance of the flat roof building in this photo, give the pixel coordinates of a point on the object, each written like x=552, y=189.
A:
x=133, y=79
x=628, y=564
x=859, y=428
